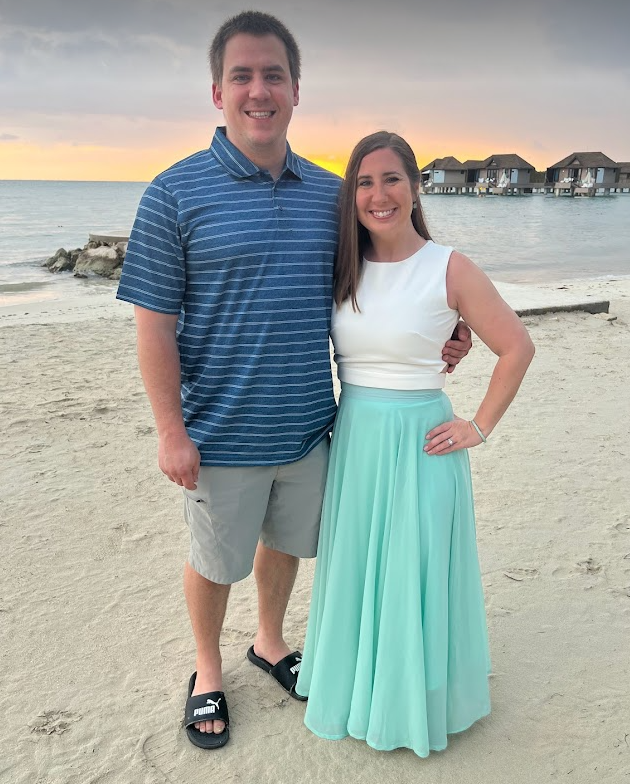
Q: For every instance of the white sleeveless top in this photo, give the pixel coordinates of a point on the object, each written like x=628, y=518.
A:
x=396, y=340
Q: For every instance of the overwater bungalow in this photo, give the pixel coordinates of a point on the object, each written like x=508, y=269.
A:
x=582, y=174
x=472, y=170
x=443, y=175
x=579, y=174
x=501, y=174
x=623, y=184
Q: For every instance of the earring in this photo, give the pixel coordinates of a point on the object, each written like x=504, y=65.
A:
x=415, y=204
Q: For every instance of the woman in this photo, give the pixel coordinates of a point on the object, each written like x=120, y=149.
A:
x=396, y=649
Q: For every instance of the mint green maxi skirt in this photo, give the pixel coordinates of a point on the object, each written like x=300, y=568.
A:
x=396, y=649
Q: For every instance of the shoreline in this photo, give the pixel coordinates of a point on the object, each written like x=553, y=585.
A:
x=99, y=299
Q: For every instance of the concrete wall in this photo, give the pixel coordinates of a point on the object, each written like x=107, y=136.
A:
x=610, y=175
x=609, y=178
x=446, y=177
x=455, y=177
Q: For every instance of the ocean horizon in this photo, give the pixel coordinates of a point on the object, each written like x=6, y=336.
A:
x=519, y=239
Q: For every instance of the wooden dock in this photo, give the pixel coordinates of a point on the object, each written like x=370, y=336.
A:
x=109, y=239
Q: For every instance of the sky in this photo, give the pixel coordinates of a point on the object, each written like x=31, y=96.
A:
x=121, y=89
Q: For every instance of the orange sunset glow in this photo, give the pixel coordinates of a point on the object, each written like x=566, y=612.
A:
x=126, y=106
x=62, y=161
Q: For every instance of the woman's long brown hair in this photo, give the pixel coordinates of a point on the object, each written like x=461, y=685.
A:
x=353, y=236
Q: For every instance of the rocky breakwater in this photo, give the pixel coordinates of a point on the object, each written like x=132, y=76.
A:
x=101, y=256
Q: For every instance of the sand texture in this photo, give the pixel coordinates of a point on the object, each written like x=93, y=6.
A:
x=96, y=649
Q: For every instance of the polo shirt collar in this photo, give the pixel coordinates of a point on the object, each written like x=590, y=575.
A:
x=239, y=165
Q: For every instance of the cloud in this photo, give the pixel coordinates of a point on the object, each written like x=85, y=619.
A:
x=114, y=17
x=9, y=137
x=121, y=71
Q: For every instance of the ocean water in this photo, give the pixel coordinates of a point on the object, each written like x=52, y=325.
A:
x=39, y=217
x=520, y=239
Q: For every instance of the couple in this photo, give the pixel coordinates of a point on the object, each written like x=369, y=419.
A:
x=230, y=266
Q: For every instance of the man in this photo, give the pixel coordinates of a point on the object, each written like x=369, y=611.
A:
x=230, y=266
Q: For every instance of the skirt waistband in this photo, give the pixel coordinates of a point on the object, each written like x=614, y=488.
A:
x=376, y=393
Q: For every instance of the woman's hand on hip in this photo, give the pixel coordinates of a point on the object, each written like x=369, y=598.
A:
x=451, y=436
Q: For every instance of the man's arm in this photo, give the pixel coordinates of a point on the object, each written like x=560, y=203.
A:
x=458, y=346
x=158, y=356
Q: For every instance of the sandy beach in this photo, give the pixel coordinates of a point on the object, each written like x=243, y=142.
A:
x=96, y=647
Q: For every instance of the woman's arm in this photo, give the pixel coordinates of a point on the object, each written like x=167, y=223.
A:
x=471, y=292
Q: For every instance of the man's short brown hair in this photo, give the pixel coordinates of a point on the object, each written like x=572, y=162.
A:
x=252, y=23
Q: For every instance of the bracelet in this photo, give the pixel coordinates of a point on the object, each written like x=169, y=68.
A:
x=478, y=429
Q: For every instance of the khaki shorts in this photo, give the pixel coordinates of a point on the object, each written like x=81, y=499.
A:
x=234, y=507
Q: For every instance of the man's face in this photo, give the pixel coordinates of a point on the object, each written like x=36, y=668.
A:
x=256, y=94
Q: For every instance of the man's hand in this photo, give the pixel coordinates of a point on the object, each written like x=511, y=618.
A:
x=458, y=346
x=158, y=355
x=179, y=459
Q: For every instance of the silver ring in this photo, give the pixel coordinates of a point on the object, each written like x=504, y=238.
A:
x=450, y=441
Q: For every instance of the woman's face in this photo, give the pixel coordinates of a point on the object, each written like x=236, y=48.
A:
x=384, y=194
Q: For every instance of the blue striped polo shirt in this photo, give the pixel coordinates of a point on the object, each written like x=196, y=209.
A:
x=247, y=264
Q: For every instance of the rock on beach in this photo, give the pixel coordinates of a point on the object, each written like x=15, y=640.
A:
x=97, y=257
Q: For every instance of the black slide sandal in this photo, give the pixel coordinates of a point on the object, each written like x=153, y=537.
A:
x=285, y=671
x=206, y=707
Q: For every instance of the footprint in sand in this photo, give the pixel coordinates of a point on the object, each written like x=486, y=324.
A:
x=588, y=566
x=53, y=722
x=176, y=649
x=112, y=543
x=232, y=634
x=624, y=591
x=520, y=574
